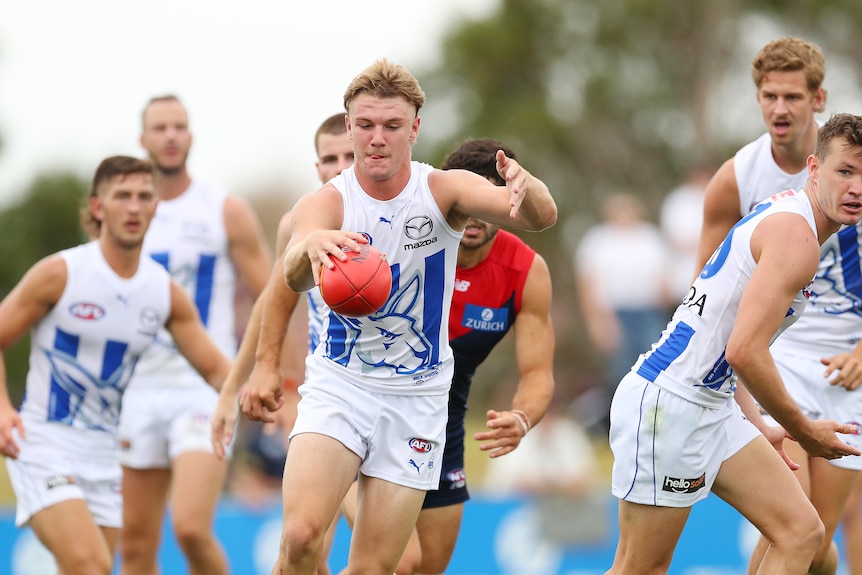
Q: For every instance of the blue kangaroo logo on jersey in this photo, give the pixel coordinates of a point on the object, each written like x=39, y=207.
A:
x=845, y=295
x=83, y=399
x=719, y=256
x=404, y=349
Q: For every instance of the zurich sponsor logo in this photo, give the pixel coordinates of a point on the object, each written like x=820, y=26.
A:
x=481, y=318
x=676, y=485
x=367, y=236
x=87, y=311
x=420, y=445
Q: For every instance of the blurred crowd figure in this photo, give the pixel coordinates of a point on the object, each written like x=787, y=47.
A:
x=622, y=271
x=681, y=220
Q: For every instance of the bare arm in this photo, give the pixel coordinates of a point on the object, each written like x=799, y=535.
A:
x=787, y=254
x=534, y=347
x=524, y=203
x=316, y=224
x=248, y=250
x=193, y=341
x=721, y=211
x=34, y=296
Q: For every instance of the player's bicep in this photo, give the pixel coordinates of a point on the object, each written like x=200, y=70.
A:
x=787, y=254
x=248, y=250
x=189, y=334
x=31, y=299
x=534, y=332
x=721, y=211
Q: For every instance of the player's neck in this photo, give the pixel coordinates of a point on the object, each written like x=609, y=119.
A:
x=170, y=186
x=793, y=159
x=123, y=260
x=470, y=258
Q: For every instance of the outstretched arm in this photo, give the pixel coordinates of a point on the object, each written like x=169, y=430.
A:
x=524, y=202
x=534, y=347
x=34, y=296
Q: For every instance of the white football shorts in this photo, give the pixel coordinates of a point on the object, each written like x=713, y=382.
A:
x=399, y=438
x=817, y=399
x=45, y=475
x=158, y=424
x=668, y=450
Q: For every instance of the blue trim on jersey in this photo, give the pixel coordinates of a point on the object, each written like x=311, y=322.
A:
x=719, y=256
x=848, y=239
x=432, y=321
x=59, y=399
x=163, y=259
x=667, y=352
x=204, y=286
x=396, y=278
x=115, y=351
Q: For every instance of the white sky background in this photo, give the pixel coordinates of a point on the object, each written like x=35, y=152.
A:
x=258, y=77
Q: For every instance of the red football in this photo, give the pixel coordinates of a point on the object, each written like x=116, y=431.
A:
x=358, y=286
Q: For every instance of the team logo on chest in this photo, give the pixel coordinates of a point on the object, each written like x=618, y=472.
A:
x=87, y=311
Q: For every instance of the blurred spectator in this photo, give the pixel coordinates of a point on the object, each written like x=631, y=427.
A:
x=681, y=220
x=256, y=470
x=621, y=268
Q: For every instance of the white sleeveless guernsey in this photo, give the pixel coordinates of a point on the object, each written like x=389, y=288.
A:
x=759, y=177
x=187, y=236
x=83, y=352
x=404, y=348
x=689, y=358
x=834, y=311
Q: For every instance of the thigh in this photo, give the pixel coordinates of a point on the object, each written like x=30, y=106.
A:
x=758, y=484
x=438, y=530
x=642, y=547
x=317, y=474
x=145, y=493
x=70, y=533
x=197, y=481
x=385, y=518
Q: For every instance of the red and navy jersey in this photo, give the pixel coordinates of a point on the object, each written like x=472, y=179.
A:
x=486, y=299
x=484, y=304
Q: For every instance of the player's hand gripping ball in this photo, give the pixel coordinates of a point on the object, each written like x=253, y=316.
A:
x=358, y=286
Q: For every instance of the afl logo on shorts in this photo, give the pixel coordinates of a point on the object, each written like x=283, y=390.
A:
x=420, y=445
x=87, y=311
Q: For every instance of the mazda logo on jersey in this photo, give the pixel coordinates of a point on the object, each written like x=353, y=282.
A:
x=481, y=318
x=418, y=227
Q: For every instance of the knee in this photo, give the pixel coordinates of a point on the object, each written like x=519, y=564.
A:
x=192, y=535
x=300, y=539
x=94, y=563
x=804, y=535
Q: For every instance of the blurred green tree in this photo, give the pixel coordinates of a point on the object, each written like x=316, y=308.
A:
x=613, y=95
x=44, y=221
